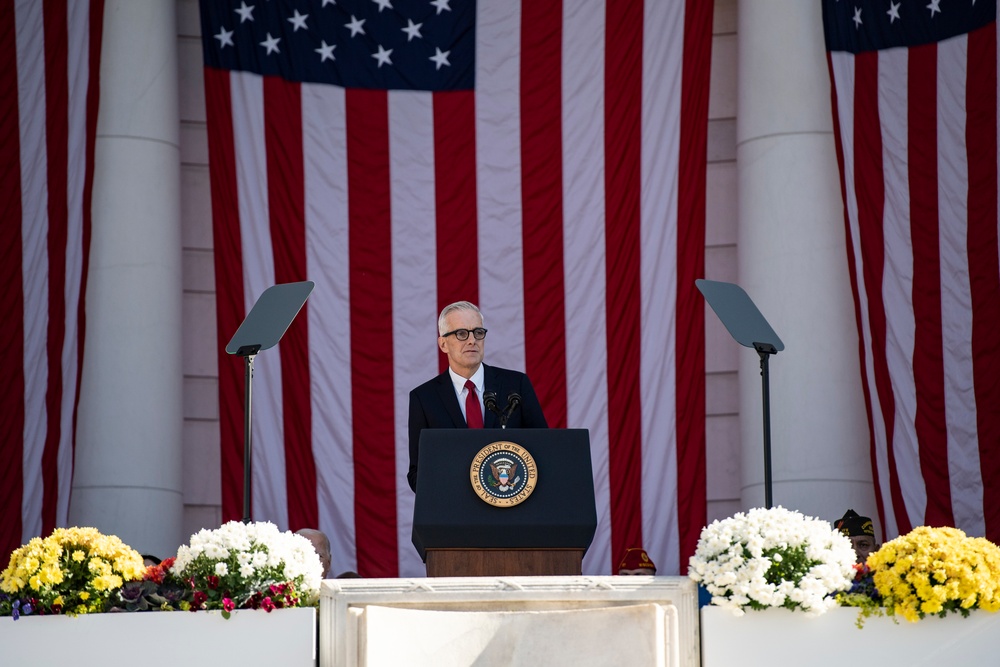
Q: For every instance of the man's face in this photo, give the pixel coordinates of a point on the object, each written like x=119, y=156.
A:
x=322, y=552
x=464, y=356
x=864, y=545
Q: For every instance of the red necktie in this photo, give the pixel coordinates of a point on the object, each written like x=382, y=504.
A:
x=473, y=413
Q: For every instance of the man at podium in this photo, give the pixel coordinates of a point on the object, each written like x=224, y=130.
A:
x=469, y=394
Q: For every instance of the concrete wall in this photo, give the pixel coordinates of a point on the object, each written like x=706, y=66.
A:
x=722, y=426
x=202, y=485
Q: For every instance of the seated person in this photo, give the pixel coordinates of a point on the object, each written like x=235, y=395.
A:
x=321, y=543
x=349, y=574
x=636, y=562
x=861, y=532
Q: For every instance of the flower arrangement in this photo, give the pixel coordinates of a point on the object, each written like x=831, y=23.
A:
x=158, y=590
x=248, y=566
x=936, y=571
x=72, y=571
x=773, y=558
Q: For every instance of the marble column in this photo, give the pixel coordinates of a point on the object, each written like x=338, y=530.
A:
x=127, y=475
x=793, y=264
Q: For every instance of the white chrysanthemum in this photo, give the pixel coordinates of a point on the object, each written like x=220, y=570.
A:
x=734, y=560
x=252, y=557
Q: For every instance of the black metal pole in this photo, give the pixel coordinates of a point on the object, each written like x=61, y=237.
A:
x=247, y=436
x=765, y=350
x=248, y=352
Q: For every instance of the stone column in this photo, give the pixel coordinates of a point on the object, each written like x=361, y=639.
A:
x=127, y=474
x=793, y=263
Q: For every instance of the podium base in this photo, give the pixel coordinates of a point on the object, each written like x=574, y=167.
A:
x=504, y=562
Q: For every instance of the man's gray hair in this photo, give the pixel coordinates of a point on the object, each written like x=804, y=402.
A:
x=451, y=308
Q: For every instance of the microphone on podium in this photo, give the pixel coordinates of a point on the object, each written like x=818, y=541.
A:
x=513, y=400
x=490, y=401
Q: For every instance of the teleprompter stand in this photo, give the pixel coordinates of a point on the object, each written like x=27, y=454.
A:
x=747, y=325
x=263, y=327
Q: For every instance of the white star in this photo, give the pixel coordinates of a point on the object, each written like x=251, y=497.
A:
x=271, y=44
x=355, y=26
x=325, y=51
x=382, y=56
x=857, y=17
x=298, y=21
x=935, y=6
x=383, y=4
x=225, y=38
x=440, y=58
x=893, y=12
x=441, y=5
x=328, y=2
x=412, y=30
x=246, y=13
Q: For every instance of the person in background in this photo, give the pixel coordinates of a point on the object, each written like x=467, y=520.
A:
x=350, y=574
x=861, y=532
x=321, y=543
x=636, y=562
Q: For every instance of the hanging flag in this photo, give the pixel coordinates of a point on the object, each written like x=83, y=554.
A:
x=48, y=119
x=915, y=117
x=545, y=160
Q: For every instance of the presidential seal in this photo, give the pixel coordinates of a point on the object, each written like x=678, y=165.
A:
x=503, y=474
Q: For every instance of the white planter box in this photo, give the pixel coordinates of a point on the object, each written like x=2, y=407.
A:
x=782, y=637
x=249, y=637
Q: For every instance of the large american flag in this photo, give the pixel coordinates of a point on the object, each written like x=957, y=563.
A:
x=545, y=160
x=48, y=113
x=915, y=114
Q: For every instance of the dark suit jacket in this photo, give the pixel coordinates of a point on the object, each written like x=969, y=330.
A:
x=435, y=405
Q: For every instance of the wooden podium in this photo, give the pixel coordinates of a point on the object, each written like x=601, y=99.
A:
x=459, y=534
x=503, y=562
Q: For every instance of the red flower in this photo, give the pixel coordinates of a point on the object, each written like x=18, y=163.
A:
x=213, y=581
x=228, y=604
x=199, y=599
x=267, y=605
x=154, y=573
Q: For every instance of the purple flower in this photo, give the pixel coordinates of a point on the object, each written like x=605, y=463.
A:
x=16, y=610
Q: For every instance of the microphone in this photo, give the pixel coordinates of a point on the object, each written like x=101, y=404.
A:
x=513, y=400
x=490, y=401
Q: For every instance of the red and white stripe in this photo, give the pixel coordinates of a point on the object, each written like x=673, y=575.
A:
x=565, y=196
x=917, y=139
x=48, y=111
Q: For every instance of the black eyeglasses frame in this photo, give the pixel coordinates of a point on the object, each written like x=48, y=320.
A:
x=474, y=332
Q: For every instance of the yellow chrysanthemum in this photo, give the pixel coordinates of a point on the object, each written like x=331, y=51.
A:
x=107, y=582
x=935, y=570
x=78, y=566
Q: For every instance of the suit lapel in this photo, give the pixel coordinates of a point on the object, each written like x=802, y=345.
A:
x=446, y=390
x=491, y=383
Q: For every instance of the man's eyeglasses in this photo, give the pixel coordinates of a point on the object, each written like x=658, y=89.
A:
x=463, y=334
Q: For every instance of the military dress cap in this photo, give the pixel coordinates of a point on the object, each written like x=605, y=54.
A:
x=853, y=524
x=635, y=559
